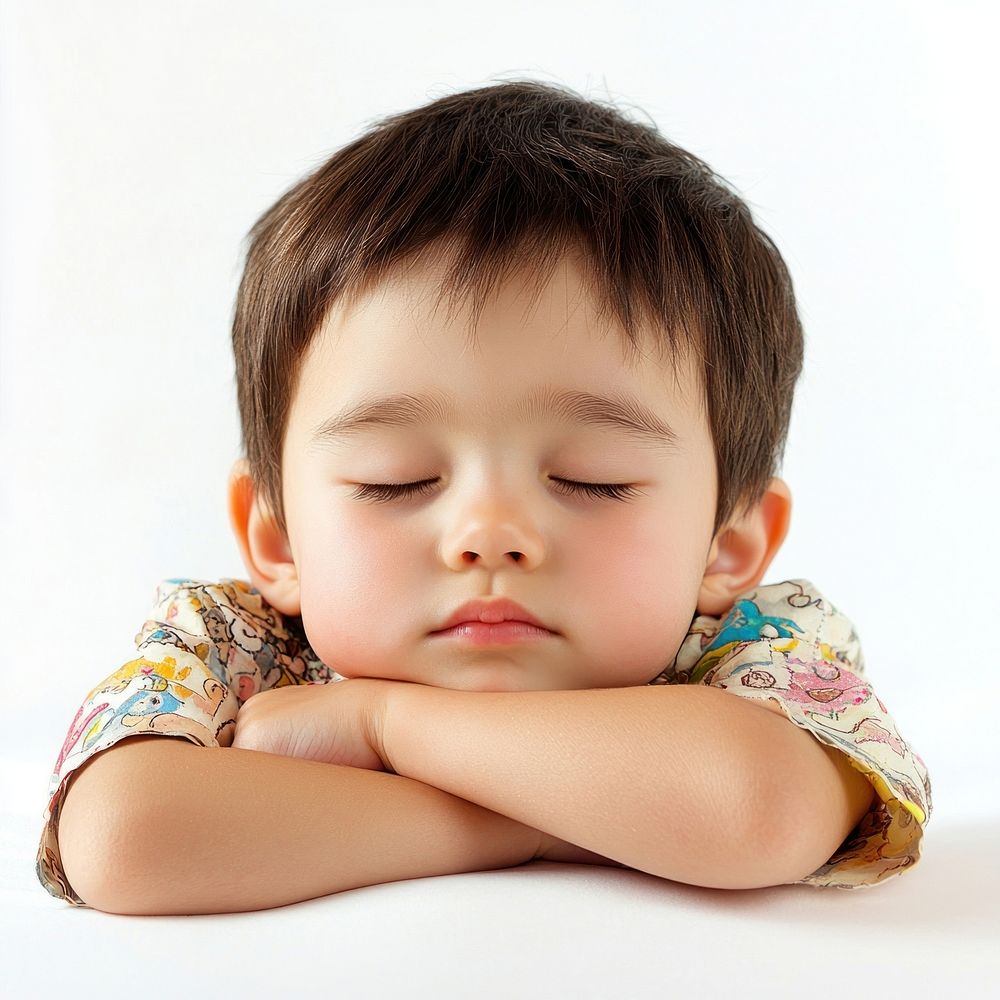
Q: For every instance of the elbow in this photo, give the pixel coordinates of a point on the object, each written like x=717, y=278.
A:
x=102, y=842
x=726, y=842
x=802, y=850
x=87, y=862
x=806, y=821
x=89, y=878
x=749, y=854
x=749, y=834
x=784, y=857
x=105, y=866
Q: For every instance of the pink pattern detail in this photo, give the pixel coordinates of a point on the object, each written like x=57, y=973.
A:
x=75, y=731
x=869, y=731
x=826, y=684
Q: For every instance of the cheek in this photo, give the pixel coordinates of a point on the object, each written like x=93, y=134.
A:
x=640, y=585
x=354, y=592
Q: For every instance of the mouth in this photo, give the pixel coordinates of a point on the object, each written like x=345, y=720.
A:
x=494, y=634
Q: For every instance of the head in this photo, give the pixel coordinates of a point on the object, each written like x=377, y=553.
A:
x=495, y=260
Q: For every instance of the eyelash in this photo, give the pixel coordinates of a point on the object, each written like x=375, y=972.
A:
x=384, y=492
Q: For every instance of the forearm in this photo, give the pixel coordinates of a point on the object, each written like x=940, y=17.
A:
x=673, y=780
x=158, y=825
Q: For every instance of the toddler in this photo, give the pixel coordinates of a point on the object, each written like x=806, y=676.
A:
x=515, y=375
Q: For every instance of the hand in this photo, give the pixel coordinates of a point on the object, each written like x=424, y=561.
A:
x=340, y=722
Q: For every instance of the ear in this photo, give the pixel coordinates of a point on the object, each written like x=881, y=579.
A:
x=743, y=549
x=266, y=552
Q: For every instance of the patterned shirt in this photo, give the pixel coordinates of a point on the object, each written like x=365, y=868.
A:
x=208, y=646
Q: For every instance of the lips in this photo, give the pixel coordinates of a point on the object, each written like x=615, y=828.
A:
x=492, y=612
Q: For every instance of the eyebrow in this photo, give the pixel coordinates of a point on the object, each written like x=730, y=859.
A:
x=620, y=411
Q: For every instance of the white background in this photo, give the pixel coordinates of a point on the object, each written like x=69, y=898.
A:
x=142, y=140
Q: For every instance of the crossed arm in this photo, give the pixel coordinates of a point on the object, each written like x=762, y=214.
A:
x=688, y=783
x=684, y=782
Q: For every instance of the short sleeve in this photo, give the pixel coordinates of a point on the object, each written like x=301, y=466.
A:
x=787, y=643
x=203, y=650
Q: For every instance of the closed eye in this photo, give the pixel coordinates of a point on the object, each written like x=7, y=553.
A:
x=384, y=492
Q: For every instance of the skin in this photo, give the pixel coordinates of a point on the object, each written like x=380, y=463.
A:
x=618, y=580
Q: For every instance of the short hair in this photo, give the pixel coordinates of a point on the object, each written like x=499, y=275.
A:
x=517, y=173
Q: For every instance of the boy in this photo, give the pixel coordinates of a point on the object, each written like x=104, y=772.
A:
x=505, y=557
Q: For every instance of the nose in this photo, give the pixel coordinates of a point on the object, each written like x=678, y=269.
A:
x=493, y=540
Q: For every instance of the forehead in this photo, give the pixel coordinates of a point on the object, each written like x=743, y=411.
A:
x=538, y=345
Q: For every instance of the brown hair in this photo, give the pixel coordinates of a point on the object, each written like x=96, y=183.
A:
x=518, y=172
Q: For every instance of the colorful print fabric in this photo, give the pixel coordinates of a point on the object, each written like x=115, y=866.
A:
x=206, y=647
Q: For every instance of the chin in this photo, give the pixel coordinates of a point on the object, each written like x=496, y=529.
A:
x=470, y=679
x=497, y=682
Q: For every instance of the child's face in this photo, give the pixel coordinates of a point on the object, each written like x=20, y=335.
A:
x=618, y=580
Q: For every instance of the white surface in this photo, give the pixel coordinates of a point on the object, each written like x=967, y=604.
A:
x=141, y=141
x=542, y=930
